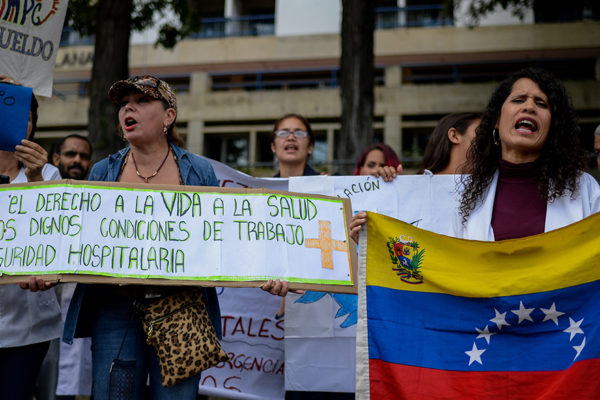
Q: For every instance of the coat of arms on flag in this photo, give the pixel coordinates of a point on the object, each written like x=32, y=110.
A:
x=406, y=257
x=515, y=319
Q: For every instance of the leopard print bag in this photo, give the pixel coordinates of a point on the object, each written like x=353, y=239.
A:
x=180, y=330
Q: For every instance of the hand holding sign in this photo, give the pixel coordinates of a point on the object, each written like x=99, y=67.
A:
x=33, y=156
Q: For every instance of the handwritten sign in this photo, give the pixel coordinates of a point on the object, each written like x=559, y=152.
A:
x=155, y=233
x=15, y=103
x=29, y=38
x=253, y=339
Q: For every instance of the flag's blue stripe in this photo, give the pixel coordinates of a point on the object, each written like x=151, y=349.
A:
x=434, y=330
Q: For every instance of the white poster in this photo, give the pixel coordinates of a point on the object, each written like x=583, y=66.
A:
x=253, y=338
x=150, y=231
x=30, y=33
x=320, y=328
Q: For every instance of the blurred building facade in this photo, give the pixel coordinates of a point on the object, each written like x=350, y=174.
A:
x=255, y=60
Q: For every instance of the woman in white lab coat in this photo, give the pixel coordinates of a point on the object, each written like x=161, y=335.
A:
x=527, y=164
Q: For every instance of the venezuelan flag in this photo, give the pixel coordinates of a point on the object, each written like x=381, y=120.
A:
x=459, y=319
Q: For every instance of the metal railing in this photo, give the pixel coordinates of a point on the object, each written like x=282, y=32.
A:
x=264, y=24
x=246, y=25
x=70, y=37
x=286, y=79
x=412, y=16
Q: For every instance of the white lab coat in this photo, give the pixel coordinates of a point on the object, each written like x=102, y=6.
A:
x=27, y=317
x=560, y=212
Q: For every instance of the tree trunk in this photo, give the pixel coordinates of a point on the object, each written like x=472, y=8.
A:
x=111, y=63
x=357, y=79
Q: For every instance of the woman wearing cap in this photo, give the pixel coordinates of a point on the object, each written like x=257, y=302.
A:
x=147, y=114
x=28, y=321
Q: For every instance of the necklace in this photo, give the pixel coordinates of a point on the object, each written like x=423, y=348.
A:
x=147, y=178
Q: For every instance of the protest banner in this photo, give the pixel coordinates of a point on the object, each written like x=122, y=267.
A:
x=29, y=38
x=15, y=103
x=232, y=178
x=161, y=234
x=475, y=319
x=320, y=327
x=253, y=339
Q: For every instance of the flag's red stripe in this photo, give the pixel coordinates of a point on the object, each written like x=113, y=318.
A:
x=395, y=381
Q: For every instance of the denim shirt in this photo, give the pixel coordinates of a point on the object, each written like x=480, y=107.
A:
x=195, y=171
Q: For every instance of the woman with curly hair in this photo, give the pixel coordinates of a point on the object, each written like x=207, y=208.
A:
x=527, y=163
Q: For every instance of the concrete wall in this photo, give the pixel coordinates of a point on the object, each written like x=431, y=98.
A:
x=391, y=47
x=249, y=110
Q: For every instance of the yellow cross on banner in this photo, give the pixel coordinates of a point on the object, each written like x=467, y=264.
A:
x=326, y=244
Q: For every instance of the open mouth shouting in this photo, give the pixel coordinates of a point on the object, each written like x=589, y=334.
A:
x=526, y=125
x=130, y=123
x=291, y=147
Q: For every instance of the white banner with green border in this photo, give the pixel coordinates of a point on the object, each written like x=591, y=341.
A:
x=163, y=234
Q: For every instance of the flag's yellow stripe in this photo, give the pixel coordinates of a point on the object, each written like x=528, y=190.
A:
x=553, y=260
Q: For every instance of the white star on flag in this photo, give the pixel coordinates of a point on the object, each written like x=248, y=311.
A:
x=574, y=328
x=523, y=313
x=500, y=320
x=484, y=333
x=475, y=354
x=579, y=348
x=552, y=314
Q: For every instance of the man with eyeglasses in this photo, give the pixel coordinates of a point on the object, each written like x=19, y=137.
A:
x=72, y=155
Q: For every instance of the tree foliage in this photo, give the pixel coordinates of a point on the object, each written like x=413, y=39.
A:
x=185, y=18
x=111, y=22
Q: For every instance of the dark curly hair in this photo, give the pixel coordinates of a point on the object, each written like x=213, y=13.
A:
x=561, y=159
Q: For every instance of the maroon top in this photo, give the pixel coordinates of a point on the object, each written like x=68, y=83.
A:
x=519, y=210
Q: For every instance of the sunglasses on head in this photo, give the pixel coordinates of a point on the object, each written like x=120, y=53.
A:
x=146, y=81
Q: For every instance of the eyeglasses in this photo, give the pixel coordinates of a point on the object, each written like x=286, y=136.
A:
x=283, y=133
x=73, y=154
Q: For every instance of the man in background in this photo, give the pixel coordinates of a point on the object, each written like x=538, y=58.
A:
x=72, y=155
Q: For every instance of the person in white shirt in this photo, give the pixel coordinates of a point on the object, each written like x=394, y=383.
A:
x=28, y=320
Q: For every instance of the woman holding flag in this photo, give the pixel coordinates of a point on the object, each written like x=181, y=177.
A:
x=527, y=164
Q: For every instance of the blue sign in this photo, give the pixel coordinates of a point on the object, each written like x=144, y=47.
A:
x=15, y=103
